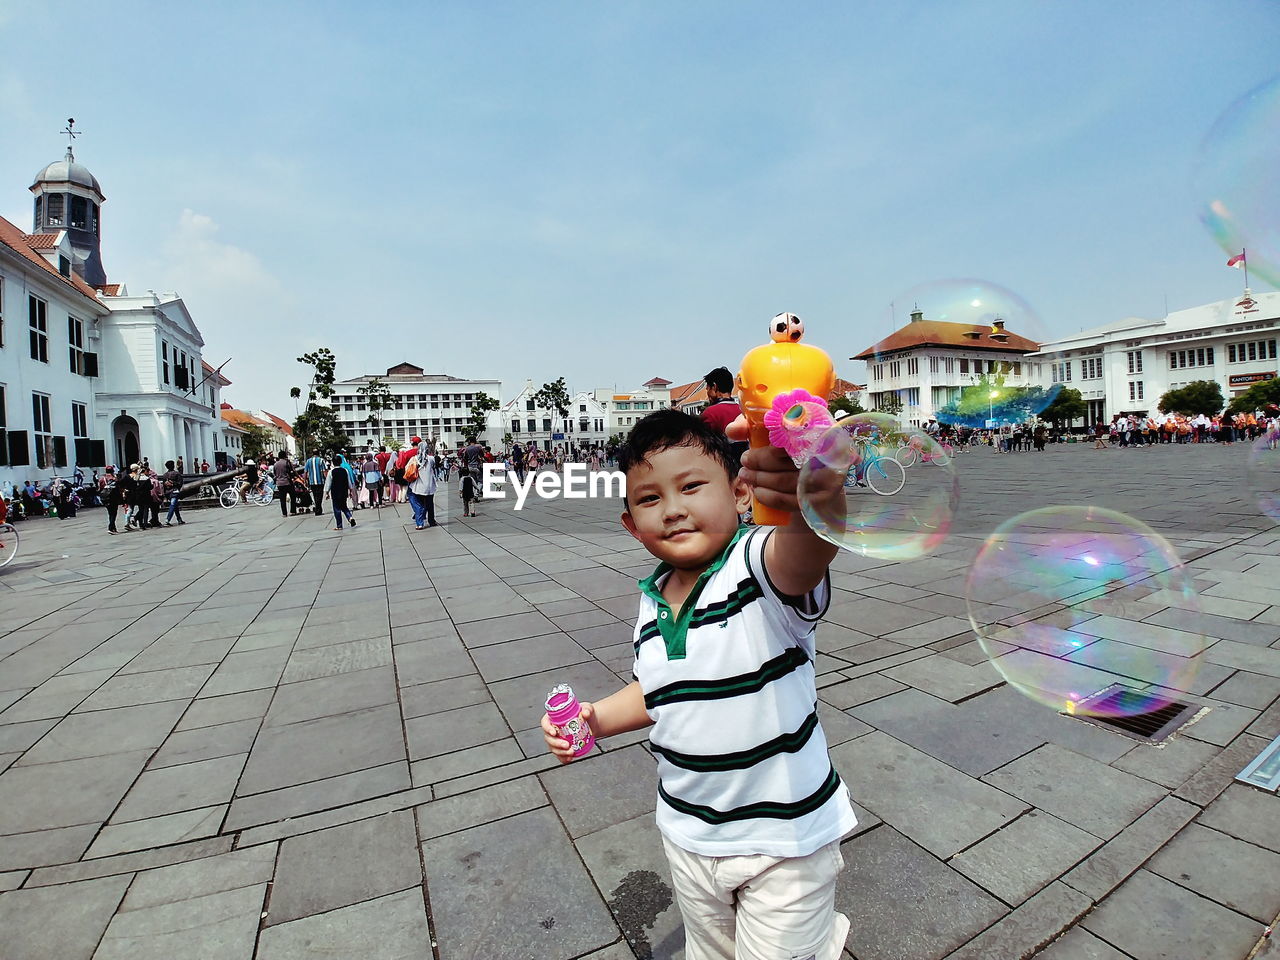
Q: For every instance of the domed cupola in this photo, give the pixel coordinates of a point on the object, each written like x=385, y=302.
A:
x=68, y=197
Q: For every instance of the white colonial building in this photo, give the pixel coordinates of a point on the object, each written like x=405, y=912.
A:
x=626, y=409
x=153, y=398
x=429, y=405
x=1126, y=366
x=88, y=374
x=50, y=343
x=926, y=363
x=585, y=425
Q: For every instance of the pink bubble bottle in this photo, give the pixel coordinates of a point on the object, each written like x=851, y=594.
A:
x=563, y=709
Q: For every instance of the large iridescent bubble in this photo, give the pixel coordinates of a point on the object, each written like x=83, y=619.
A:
x=1058, y=597
x=879, y=489
x=1263, y=473
x=999, y=328
x=1237, y=180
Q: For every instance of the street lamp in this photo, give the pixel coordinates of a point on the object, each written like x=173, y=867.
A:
x=991, y=407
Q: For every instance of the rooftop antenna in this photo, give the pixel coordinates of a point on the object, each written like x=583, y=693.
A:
x=71, y=132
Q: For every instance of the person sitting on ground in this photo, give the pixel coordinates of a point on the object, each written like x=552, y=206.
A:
x=750, y=808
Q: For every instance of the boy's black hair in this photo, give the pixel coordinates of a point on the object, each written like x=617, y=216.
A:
x=721, y=379
x=664, y=429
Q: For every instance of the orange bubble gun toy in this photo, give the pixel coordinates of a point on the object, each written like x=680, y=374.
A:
x=782, y=366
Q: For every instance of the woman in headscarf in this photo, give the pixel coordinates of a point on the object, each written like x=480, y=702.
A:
x=337, y=484
x=422, y=491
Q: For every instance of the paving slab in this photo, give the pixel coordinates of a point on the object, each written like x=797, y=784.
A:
x=525, y=915
x=1018, y=860
x=907, y=789
x=65, y=921
x=216, y=926
x=387, y=928
x=1079, y=790
x=315, y=795
x=1221, y=868
x=599, y=791
x=905, y=904
x=451, y=814
x=322, y=871
x=203, y=783
x=629, y=867
x=1246, y=813
x=1151, y=918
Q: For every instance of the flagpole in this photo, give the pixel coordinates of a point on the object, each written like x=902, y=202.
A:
x=1244, y=258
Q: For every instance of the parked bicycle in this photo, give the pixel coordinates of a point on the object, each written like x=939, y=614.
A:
x=877, y=471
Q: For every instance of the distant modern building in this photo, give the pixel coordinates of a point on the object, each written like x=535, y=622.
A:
x=926, y=363
x=433, y=405
x=1126, y=366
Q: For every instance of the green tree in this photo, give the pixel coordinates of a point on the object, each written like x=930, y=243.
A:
x=507, y=440
x=392, y=444
x=1067, y=406
x=553, y=396
x=257, y=442
x=478, y=422
x=617, y=440
x=1201, y=396
x=844, y=406
x=377, y=397
x=323, y=373
x=318, y=430
x=1258, y=397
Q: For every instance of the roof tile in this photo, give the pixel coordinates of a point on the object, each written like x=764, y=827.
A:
x=942, y=333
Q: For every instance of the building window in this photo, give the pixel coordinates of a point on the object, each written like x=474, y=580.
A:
x=1017, y=368
x=964, y=365
x=1, y=311
x=895, y=369
x=913, y=366
x=913, y=396
x=79, y=213
x=38, y=320
x=1253, y=350
x=79, y=420
x=164, y=359
x=935, y=364
x=1135, y=389
x=42, y=429
x=54, y=207
x=75, y=341
x=950, y=365
x=1061, y=371
x=531, y=424
x=877, y=372
x=1135, y=361
x=1091, y=368
x=546, y=424
x=582, y=408
x=515, y=426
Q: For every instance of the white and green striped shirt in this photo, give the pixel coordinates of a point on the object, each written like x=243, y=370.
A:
x=730, y=685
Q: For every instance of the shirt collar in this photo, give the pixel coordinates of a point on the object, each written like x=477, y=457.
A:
x=650, y=586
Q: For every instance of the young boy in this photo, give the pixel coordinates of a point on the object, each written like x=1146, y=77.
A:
x=750, y=808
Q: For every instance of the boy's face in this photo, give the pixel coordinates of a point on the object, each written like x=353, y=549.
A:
x=683, y=507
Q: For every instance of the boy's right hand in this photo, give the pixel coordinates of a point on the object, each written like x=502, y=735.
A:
x=558, y=745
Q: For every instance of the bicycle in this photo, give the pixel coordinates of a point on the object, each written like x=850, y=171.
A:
x=882, y=474
x=8, y=543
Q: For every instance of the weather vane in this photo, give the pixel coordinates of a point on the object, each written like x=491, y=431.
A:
x=71, y=133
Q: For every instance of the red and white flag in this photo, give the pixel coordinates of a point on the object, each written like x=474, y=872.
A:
x=1237, y=261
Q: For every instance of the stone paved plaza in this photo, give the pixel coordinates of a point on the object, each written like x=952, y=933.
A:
x=255, y=737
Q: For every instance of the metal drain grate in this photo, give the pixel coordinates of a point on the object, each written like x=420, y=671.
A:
x=1142, y=716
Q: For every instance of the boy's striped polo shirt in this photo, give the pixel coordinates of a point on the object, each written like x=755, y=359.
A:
x=730, y=685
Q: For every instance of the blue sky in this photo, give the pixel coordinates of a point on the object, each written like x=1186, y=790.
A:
x=614, y=191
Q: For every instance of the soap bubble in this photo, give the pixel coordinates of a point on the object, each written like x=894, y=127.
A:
x=989, y=327
x=1056, y=596
x=1263, y=473
x=1236, y=180
x=878, y=489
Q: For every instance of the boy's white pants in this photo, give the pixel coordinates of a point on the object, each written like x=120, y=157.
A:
x=758, y=907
